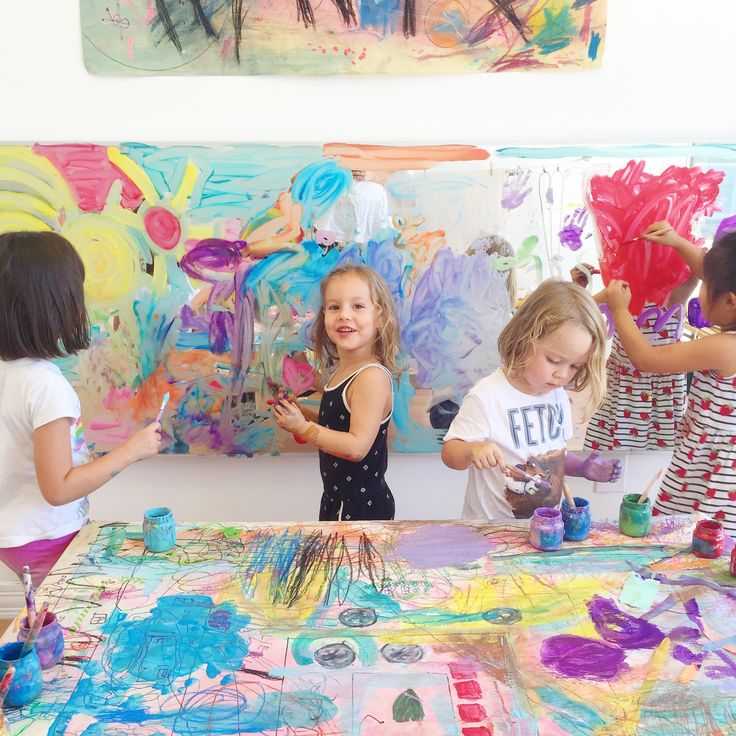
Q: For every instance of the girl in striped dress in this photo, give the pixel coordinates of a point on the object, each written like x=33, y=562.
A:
x=702, y=473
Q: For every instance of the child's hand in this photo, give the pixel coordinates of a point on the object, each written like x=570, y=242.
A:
x=617, y=294
x=145, y=442
x=601, y=470
x=662, y=232
x=486, y=455
x=582, y=277
x=289, y=416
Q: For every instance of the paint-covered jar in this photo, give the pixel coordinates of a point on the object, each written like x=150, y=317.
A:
x=4, y=729
x=634, y=518
x=26, y=684
x=576, y=519
x=732, y=565
x=709, y=539
x=159, y=529
x=50, y=642
x=546, y=529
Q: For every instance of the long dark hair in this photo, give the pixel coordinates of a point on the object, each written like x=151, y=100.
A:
x=42, y=311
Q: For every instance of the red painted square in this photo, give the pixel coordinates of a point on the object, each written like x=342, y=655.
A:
x=477, y=731
x=468, y=690
x=463, y=670
x=471, y=712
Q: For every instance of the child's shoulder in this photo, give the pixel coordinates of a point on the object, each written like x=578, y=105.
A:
x=31, y=371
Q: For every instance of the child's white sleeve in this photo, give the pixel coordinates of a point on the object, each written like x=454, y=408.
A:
x=471, y=423
x=51, y=397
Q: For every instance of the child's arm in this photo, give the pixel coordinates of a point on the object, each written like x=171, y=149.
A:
x=662, y=232
x=371, y=392
x=61, y=483
x=715, y=352
x=593, y=467
x=460, y=455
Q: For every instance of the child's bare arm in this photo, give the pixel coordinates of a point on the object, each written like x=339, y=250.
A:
x=460, y=455
x=662, y=232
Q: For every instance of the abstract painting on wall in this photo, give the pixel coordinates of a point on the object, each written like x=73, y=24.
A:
x=143, y=37
x=203, y=264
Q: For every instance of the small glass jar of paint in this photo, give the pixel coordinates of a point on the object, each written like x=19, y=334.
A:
x=634, y=518
x=576, y=519
x=26, y=684
x=50, y=642
x=546, y=529
x=709, y=539
x=159, y=529
x=732, y=565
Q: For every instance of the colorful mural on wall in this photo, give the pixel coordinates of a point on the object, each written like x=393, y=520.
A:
x=304, y=37
x=204, y=263
x=420, y=628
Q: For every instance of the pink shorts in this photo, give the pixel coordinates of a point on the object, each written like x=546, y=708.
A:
x=40, y=556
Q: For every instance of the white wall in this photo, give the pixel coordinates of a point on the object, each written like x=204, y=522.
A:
x=665, y=78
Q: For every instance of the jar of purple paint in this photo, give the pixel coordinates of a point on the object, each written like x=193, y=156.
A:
x=50, y=642
x=546, y=529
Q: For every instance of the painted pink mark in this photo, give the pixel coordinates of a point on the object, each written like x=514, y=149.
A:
x=471, y=712
x=477, y=731
x=89, y=173
x=468, y=690
x=226, y=46
x=105, y=425
x=625, y=203
x=162, y=227
x=438, y=546
x=130, y=48
x=298, y=377
x=463, y=670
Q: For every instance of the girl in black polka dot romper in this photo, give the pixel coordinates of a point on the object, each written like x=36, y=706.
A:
x=358, y=332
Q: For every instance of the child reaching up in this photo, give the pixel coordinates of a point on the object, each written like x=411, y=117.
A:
x=513, y=426
x=45, y=470
x=702, y=473
x=357, y=330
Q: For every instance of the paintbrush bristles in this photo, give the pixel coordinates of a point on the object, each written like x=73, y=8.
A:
x=568, y=494
x=649, y=487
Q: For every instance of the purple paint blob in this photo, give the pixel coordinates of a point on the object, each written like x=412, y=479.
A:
x=684, y=655
x=438, y=546
x=620, y=628
x=212, y=256
x=583, y=658
x=684, y=633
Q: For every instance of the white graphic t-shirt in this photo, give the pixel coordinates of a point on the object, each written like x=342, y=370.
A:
x=32, y=394
x=532, y=433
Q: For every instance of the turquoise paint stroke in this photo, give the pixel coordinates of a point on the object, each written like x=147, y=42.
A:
x=709, y=151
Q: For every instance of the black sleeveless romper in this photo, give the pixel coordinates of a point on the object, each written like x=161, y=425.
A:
x=353, y=491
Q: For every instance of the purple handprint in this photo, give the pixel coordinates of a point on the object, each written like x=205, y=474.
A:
x=515, y=188
x=571, y=235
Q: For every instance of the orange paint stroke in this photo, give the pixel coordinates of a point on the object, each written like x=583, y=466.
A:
x=396, y=158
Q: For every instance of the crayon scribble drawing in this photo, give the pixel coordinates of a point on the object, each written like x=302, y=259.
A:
x=422, y=628
x=342, y=36
x=203, y=268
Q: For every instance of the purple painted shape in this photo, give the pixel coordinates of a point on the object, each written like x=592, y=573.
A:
x=684, y=655
x=620, y=628
x=212, y=256
x=583, y=658
x=571, y=235
x=684, y=633
x=725, y=226
x=437, y=546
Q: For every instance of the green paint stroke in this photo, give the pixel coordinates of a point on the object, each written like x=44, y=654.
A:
x=408, y=707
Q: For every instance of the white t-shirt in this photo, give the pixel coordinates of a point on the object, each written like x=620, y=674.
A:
x=532, y=433
x=34, y=393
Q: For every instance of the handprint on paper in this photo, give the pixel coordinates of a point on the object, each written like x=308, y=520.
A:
x=571, y=235
x=516, y=188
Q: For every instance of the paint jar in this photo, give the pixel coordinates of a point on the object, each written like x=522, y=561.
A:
x=709, y=539
x=546, y=529
x=732, y=565
x=50, y=642
x=576, y=519
x=159, y=529
x=4, y=728
x=26, y=684
x=634, y=518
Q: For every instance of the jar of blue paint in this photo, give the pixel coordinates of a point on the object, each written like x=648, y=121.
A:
x=26, y=684
x=159, y=529
x=634, y=518
x=546, y=529
x=576, y=519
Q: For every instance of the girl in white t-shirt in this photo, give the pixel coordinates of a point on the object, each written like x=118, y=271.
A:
x=513, y=426
x=45, y=468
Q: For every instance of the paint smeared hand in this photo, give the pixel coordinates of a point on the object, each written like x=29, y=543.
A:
x=289, y=417
x=571, y=235
x=617, y=295
x=516, y=188
x=601, y=470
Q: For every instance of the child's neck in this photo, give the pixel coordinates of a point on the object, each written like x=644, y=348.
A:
x=349, y=363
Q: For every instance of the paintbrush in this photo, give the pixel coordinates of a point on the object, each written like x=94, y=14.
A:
x=633, y=240
x=30, y=641
x=5, y=684
x=649, y=487
x=568, y=495
x=541, y=484
x=30, y=597
x=164, y=401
